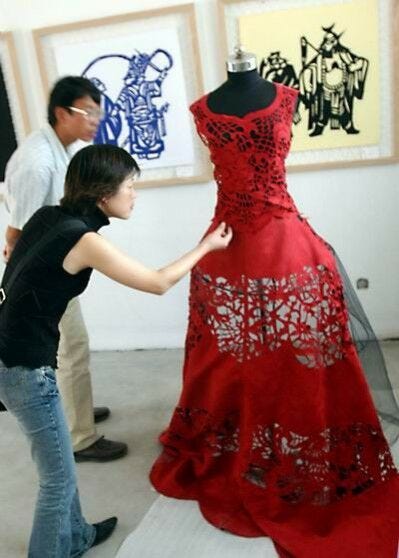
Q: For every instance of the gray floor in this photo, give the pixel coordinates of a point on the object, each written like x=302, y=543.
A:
x=141, y=387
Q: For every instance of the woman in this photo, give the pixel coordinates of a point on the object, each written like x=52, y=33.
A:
x=50, y=265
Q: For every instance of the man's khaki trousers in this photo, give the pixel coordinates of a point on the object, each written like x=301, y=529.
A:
x=73, y=377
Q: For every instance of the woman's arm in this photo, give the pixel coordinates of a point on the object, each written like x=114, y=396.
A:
x=94, y=251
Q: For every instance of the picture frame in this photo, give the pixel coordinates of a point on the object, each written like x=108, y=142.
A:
x=147, y=66
x=15, y=121
x=348, y=91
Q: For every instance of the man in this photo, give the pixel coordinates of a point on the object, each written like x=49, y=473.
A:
x=35, y=177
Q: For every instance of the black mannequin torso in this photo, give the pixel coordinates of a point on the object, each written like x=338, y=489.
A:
x=243, y=92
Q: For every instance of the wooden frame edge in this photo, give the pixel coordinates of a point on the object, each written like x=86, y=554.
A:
x=198, y=179
x=16, y=74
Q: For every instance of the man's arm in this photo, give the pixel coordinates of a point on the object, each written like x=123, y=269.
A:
x=12, y=236
x=26, y=191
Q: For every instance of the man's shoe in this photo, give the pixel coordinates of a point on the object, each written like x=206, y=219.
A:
x=104, y=529
x=101, y=450
x=101, y=413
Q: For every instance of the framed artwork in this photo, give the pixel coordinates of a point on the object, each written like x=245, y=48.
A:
x=14, y=115
x=147, y=68
x=342, y=56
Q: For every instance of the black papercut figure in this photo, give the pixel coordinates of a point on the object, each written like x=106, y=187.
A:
x=276, y=68
x=330, y=82
x=8, y=140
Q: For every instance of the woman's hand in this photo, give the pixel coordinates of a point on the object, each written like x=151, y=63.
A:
x=218, y=239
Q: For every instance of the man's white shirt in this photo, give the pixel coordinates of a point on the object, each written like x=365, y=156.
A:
x=35, y=175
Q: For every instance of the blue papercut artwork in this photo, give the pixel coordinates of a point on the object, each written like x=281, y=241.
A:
x=131, y=117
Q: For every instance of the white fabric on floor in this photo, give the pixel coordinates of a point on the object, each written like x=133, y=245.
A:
x=176, y=529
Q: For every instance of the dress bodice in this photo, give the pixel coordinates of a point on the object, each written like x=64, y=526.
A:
x=249, y=155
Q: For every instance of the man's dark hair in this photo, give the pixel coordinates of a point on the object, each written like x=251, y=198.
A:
x=66, y=90
x=96, y=172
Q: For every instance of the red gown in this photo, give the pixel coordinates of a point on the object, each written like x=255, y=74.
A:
x=275, y=433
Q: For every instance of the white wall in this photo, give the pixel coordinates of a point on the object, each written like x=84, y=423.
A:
x=356, y=210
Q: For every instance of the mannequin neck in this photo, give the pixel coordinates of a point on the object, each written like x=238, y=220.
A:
x=241, y=93
x=244, y=80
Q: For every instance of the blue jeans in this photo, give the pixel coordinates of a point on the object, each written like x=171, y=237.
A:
x=59, y=529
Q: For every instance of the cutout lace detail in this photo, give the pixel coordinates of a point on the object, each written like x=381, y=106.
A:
x=317, y=468
x=255, y=315
x=249, y=158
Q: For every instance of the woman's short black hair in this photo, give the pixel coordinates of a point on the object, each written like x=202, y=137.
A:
x=66, y=91
x=96, y=172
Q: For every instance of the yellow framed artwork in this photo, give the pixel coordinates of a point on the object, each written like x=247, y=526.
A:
x=342, y=57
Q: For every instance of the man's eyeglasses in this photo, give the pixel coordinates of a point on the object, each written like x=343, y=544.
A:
x=89, y=114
